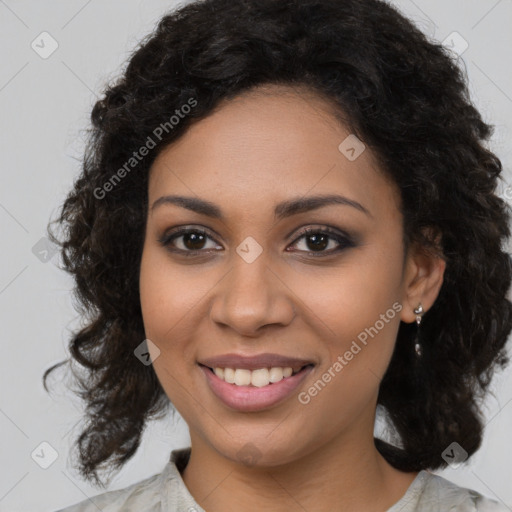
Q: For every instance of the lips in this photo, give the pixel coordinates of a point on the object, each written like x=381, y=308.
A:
x=252, y=398
x=265, y=360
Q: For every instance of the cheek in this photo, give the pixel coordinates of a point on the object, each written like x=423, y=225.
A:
x=172, y=302
x=163, y=303
x=166, y=294
x=356, y=307
x=353, y=296
x=156, y=296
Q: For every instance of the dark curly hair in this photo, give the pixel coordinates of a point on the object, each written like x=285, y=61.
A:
x=405, y=96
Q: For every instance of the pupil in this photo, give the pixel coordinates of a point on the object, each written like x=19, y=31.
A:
x=319, y=241
x=194, y=239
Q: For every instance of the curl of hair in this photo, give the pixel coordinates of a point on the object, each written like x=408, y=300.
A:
x=405, y=97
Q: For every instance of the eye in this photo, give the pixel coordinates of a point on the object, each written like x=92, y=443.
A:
x=316, y=240
x=193, y=240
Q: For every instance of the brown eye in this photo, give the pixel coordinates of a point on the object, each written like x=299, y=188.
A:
x=317, y=240
x=192, y=240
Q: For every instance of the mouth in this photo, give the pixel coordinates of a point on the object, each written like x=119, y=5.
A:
x=259, y=377
x=247, y=395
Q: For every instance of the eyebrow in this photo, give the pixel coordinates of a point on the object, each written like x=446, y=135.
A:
x=285, y=209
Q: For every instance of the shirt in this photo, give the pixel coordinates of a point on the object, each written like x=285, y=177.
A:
x=167, y=492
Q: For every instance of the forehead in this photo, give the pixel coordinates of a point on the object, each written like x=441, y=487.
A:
x=267, y=145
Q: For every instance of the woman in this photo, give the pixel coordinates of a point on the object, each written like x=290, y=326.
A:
x=286, y=218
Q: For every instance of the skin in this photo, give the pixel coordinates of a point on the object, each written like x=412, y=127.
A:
x=272, y=144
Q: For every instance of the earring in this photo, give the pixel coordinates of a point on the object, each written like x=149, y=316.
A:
x=418, y=312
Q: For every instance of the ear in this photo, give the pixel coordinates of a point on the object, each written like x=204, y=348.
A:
x=423, y=277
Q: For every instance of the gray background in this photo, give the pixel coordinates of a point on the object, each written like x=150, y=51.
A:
x=44, y=109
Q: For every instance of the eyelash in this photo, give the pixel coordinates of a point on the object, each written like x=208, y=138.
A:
x=344, y=240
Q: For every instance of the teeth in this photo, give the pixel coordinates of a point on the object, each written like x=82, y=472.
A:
x=275, y=374
x=259, y=378
x=242, y=377
x=229, y=375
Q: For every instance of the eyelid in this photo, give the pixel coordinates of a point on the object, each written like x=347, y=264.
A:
x=183, y=230
x=324, y=228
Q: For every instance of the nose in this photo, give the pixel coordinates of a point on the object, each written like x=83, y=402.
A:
x=252, y=296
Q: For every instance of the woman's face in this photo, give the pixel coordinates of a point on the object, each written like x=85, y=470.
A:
x=256, y=284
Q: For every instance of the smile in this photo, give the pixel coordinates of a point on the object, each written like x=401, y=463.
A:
x=245, y=390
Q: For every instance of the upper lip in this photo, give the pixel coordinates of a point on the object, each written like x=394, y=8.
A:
x=266, y=360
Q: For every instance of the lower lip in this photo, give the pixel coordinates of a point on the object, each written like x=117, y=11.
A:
x=252, y=398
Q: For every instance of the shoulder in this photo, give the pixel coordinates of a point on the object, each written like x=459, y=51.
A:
x=440, y=492
x=161, y=492
x=142, y=495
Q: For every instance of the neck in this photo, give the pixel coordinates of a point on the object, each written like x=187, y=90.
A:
x=347, y=473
